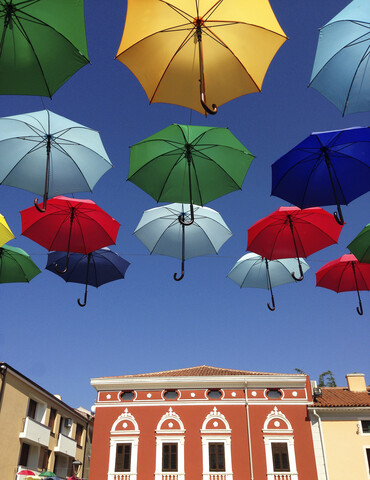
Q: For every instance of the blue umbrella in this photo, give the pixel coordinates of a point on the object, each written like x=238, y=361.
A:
x=50, y=155
x=166, y=231
x=327, y=168
x=95, y=268
x=341, y=69
x=254, y=271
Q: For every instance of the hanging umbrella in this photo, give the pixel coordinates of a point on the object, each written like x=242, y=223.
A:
x=341, y=70
x=291, y=232
x=345, y=274
x=360, y=246
x=50, y=155
x=327, y=168
x=189, y=164
x=5, y=233
x=16, y=266
x=26, y=472
x=202, y=51
x=47, y=474
x=96, y=268
x=162, y=233
x=70, y=225
x=254, y=271
x=42, y=45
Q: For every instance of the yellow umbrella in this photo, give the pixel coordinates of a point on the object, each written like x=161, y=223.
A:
x=216, y=49
x=5, y=233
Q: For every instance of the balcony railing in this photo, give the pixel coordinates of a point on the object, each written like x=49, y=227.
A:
x=35, y=432
x=218, y=476
x=283, y=476
x=170, y=476
x=66, y=445
x=122, y=476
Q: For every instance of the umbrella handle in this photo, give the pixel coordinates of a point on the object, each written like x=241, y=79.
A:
x=175, y=277
x=181, y=217
x=273, y=304
x=211, y=111
x=339, y=216
x=41, y=210
x=85, y=299
x=65, y=267
x=87, y=280
x=359, y=309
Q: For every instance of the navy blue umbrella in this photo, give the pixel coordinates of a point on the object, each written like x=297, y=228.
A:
x=95, y=268
x=327, y=168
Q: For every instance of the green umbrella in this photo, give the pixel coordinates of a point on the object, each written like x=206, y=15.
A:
x=360, y=246
x=42, y=44
x=47, y=474
x=16, y=265
x=189, y=164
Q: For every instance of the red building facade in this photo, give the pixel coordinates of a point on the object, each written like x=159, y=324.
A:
x=203, y=423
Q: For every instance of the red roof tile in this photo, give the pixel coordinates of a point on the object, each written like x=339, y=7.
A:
x=342, y=397
x=200, y=371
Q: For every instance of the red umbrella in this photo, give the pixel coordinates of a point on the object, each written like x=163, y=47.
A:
x=70, y=225
x=26, y=472
x=345, y=274
x=293, y=232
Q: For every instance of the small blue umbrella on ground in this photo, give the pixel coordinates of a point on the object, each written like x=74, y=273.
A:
x=254, y=271
x=327, y=168
x=163, y=232
x=341, y=70
x=96, y=268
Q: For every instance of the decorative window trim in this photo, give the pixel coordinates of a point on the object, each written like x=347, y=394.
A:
x=215, y=415
x=278, y=415
x=170, y=415
x=274, y=399
x=160, y=440
x=130, y=418
x=289, y=440
x=172, y=399
x=134, y=441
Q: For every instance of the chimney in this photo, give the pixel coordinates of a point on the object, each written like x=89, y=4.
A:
x=356, y=382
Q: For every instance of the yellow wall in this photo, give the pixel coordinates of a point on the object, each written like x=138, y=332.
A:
x=344, y=449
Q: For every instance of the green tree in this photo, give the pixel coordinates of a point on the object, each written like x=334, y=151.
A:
x=327, y=379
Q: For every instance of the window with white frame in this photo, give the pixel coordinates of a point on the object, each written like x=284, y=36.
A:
x=170, y=442
x=365, y=427
x=124, y=443
x=368, y=460
x=216, y=447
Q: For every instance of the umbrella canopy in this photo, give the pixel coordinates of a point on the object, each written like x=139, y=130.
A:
x=162, y=233
x=327, y=168
x=95, y=268
x=254, y=271
x=345, y=274
x=360, y=246
x=16, y=266
x=43, y=44
x=204, y=51
x=70, y=225
x=341, y=69
x=47, y=474
x=25, y=472
x=50, y=155
x=291, y=232
x=5, y=233
x=189, y=164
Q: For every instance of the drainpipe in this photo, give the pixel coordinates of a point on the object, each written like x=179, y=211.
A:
x=322, y=443
x=3, y=371
x=249, y=432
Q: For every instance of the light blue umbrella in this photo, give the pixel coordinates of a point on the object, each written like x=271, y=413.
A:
x=50, y=155
x=341, y=70
x=162, y=233
x=254, y=271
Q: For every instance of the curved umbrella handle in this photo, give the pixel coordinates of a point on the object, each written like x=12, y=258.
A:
x=211, y=111
x=339, y=216
x=65, y=267
x=85, y=299
x=175, y=277
x=297, y=279
x=360, y=310
x=181, y=217
x=41, y=210
x=271, y=308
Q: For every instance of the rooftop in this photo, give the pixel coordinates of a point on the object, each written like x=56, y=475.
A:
x=342, y=397
x=199, y=371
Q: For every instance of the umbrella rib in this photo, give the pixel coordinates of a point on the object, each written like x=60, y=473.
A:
x=333, y=56
x=33, y=149
x=354, y=76
x=182, y=13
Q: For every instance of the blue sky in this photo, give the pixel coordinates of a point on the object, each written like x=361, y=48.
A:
x=148, y=322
